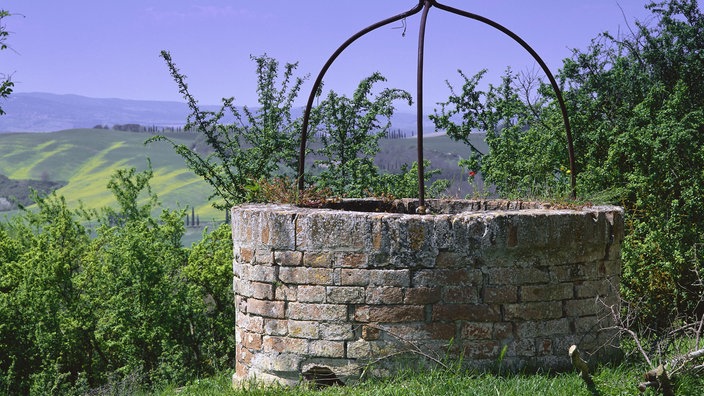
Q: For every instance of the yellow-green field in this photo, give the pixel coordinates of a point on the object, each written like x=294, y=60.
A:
x=86, y=158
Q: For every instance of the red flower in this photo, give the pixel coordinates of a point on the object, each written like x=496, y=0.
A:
x=472, y=173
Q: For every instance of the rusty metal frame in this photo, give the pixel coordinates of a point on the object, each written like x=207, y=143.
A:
x=425, y=6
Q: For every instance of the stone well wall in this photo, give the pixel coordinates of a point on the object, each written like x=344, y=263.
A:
x=328, y=291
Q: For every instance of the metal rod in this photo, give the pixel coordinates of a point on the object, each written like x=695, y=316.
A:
x=425, y=5
x=419, y=107
x=319, y=81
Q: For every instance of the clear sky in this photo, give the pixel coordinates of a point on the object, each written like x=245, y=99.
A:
x=110, y=48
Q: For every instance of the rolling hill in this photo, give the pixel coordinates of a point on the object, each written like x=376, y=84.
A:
x=84, y=159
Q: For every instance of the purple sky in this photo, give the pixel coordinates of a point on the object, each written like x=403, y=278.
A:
x=110, y=49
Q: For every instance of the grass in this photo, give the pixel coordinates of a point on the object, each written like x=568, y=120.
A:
x=612, y=380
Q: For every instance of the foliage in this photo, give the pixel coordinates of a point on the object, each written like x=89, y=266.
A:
x=6, y=84
x=83, y=307
x=405, y=183
x=255, y=144
x=526, y=151
x=349, y=131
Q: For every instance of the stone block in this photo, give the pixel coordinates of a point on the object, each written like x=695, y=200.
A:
x=533, y=329
x=276, y=327
x=270, y=309
x=517, y=276
x=320, y=312
x=345, y=295
x=288, y=258
x=326, y=348
x=303, y=329
x=389, y=313
x=306, y=276
x=336, y=331
x=384, y=295
x=311, y=294
x=318, y=260
x=533, y=311
x=422, y=295
x=500, y=294
x=470, y=312
x=550, y=292
x=476, y=331
x=460, y=295
x=447, y=277
x=581, y=307
x=285, y=345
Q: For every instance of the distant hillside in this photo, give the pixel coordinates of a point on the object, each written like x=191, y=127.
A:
x=81, y=161
x=44, y=112
x=86, y=158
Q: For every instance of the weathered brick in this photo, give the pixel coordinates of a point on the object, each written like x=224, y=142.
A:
x=460, y=295
x=588, y=325
x=363, y=349
x=318, y=260
x=258, y=273
x=592, y=289
x=542, y=328
x=452, y=260
x=476, y=330
x=500, y=294
x=271, y=309
x=533, y=311
x=517, y=276
x=389, y=314
x=582, y=307
x=336, y=331
x=288, y=258
x=322, y=312
x=246, y=255
x=252, y=340
x=574, y=272
x=306, y=276
x=345, y=295
x=420, y=331
x=481, y=349
x=503, y=330
x=370, y=333
x=384, y=295
x=397, y=278
x=551, y=292
x=422, y=295
x=250, y=323
x=447, y=277
x=472, y=312
x=353, y=260
x=284, y=292
x=311, y=294
x=326, y=348
x=260, y=291
x=303, y=329
x=284, y=344
x=354, y=277
x=276, y=327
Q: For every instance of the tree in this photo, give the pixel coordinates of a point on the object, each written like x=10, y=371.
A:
x=6, y=84
x=253, y=143
x=349, y=131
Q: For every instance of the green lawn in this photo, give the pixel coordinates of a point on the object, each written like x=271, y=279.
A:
x=618, y=380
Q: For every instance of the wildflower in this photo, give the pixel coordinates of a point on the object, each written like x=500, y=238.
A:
x=472, y=174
